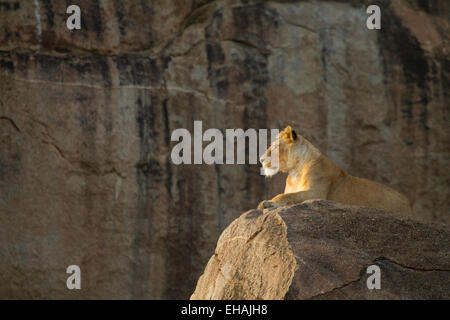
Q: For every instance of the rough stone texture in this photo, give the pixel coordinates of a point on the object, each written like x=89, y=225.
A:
x=86, y=118
x=321, y=250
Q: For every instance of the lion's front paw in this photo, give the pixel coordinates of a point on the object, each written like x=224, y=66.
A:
x=265, y=204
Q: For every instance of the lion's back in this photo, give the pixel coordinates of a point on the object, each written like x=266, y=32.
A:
x=364, y=192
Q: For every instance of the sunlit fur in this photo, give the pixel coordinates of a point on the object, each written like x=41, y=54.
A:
x=313, y=176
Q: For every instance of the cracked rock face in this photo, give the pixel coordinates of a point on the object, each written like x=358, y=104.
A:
x=86, y=118
x=321, y=250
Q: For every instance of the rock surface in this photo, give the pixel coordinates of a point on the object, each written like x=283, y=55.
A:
x=321, y=250
x=86, y=118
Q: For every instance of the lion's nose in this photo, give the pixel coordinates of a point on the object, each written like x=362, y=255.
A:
x=263, y=157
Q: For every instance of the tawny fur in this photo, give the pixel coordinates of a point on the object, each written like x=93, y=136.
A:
x=313, y=176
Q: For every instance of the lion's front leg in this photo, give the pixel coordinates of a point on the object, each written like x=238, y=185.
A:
x=279, y=201
x=297, y=197
x=266, y=204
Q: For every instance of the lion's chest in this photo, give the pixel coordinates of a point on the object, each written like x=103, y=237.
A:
x=295, y=184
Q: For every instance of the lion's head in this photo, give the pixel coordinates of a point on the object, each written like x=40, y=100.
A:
x=280, y=156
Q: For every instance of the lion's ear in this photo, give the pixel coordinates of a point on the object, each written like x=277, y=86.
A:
x=291, y=134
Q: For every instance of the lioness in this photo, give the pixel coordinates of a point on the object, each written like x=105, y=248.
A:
x=313, y=176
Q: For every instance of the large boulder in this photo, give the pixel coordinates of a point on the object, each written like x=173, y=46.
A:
x=321, y=250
